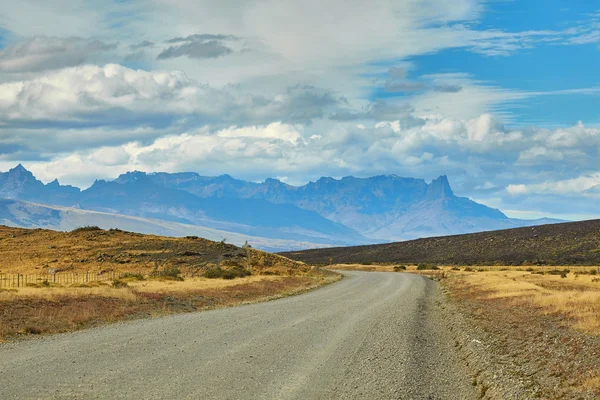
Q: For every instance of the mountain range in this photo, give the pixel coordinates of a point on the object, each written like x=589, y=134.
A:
x=347, y=211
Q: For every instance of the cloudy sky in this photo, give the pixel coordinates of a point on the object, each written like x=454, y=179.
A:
x=502, y=96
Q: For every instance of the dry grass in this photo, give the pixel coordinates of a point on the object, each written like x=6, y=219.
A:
x=546, y=325
x=27, y=311
x=577, y=297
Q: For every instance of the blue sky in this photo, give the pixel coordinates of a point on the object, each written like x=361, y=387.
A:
x=501, y=96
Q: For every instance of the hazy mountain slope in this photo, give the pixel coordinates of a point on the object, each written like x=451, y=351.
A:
x=385, y=207
x=347, y=211
x=135, y=194
x=24, y=214
x=571, y=243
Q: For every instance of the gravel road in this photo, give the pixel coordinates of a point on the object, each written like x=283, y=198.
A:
x=369, y=336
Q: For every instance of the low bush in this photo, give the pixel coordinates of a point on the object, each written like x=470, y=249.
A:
x=89, y=228
x=455, y=269
x=118, y=284
x=170, y=273
x=399, y=268
x=133, y=276
x=468, y=269
x=559, y=272
x=220, y=273
x=423, y=267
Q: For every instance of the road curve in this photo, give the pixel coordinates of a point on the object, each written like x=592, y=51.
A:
x=369, y=336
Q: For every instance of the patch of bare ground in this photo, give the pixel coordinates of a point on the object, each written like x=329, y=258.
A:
x=541, y=333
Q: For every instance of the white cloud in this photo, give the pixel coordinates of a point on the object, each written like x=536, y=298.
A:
x=80, y=93
x=573, y=186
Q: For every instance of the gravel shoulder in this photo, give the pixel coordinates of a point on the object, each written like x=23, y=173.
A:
x=369, y=336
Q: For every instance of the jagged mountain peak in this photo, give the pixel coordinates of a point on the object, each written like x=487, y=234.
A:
x=133, y=177
x=439, y=187
x=53, y=184
x=20, y=170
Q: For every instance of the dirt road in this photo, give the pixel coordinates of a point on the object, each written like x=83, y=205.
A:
x=369, y=336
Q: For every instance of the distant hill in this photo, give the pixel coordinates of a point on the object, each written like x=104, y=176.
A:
x=18, y=213
x=573, y=243
x=340, y=212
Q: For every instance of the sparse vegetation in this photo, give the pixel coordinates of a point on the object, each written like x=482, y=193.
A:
x=574, y=243
x=544, y=326
x=399, y=268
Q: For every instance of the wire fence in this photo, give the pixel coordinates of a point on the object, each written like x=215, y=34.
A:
x=55, y=278
x=9, y=281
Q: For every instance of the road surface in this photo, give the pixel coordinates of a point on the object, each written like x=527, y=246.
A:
x=369, y=336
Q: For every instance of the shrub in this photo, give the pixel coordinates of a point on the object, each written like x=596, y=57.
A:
x=529, y=269
x=117, y=284
x=89, y=228
x=135, y=276
x=559, y=272
x=399, y=268
x=220, y=273
x=468, y=269
x=170, y=273
x=422, y=267
x=455, y=269
x=192, y=237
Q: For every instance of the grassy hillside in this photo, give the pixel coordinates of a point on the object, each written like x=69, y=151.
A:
x=573, y=243
x=87, y=249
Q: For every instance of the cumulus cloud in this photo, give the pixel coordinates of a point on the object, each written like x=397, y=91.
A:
x=46, y=53
x=121, y=96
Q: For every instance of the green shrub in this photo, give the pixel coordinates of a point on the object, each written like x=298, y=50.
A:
x=468, y=269
x=399, y=268
x=455, y=269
